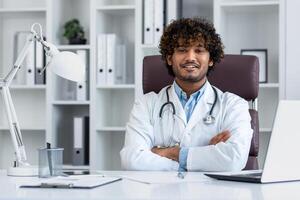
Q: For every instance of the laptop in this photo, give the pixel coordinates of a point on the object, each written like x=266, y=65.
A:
x=282, y=161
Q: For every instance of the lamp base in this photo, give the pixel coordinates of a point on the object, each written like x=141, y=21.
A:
x=23, y=171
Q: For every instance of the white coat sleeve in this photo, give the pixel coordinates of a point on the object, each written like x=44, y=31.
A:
x=233, y=154
x=136, y=153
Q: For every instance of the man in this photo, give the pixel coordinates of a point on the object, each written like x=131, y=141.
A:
x=182, y=137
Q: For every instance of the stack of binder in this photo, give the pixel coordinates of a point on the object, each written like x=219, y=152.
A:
x=111, y=60
x=156, y=14
x=33, y=63
x=153, y=21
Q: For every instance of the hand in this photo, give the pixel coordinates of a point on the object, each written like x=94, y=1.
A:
x=221, y=137
x=168, y=152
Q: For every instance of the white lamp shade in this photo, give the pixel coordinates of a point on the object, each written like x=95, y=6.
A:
x=68, y=65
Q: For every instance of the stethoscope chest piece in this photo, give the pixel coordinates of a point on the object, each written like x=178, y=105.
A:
x=209, y=119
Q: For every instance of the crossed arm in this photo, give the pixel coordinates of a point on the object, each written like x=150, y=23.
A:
x=173, y=152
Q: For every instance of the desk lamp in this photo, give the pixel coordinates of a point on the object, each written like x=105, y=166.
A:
x=65, y=64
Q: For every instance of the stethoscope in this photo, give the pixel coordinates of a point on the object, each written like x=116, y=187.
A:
x=209, y=119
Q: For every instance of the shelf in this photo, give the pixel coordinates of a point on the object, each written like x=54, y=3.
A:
x=73, y=47
x=116, y=9
x=248, y=3
x=71, y=102
x=76, y=167
x=112, y=128
x=28, y=87
x=250, y=6
x=19, y=10
x=269, y=85
x=123, y=86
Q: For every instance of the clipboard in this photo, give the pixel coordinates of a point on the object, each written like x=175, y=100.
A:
x=72, y=182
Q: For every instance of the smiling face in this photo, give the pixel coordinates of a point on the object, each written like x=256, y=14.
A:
x=190, y=64
x=189, y=33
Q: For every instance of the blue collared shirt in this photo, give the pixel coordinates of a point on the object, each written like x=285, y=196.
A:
x=188, y=105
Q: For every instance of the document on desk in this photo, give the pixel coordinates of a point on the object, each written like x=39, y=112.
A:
x=165, y=177
x=76, y=182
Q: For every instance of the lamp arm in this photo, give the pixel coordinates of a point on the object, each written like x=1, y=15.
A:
x=14, y=127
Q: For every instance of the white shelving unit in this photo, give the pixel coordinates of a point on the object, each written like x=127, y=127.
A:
x=255, y=24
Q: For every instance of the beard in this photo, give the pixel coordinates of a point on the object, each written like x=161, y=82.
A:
x=189, y=77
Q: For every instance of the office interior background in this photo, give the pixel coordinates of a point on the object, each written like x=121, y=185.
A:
x=47, y=109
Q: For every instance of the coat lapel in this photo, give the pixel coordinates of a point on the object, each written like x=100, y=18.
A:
x=178, y=107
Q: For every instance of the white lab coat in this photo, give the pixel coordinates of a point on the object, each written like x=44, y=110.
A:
x=146, y=129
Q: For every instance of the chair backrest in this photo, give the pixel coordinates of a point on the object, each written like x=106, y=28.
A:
x=238, y=74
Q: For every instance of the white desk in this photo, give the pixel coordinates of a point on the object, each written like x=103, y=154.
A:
x=126, y=189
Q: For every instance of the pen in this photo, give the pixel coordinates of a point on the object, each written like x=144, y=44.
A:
x=49, y=155
x=56, y=185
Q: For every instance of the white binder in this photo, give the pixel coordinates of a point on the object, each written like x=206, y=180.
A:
x=120, y=75
x=158, y=20
x=81, y=91
x=110, y=59
x=101, y=59
x=19, y=43
x=172, y=10
x=81, y=141
x=149, y=21
x=30, y=65
x=81, y=88
x=39, y=64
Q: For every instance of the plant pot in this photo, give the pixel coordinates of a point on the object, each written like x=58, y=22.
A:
x=77, y=41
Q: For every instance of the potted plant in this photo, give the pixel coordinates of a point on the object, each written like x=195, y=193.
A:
x=74, y=32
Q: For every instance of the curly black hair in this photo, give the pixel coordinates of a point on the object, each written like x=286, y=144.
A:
x=187, y=31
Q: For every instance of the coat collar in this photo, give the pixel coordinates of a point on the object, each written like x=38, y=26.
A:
x=201, y=109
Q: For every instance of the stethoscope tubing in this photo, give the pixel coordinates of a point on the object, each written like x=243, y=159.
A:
x=173, y=106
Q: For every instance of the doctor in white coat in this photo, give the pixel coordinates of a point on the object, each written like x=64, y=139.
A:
x=186, y=136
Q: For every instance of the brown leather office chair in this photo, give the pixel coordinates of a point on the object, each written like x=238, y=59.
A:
x=237, y=74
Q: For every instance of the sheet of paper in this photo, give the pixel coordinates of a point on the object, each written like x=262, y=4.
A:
x=165, y=177
x=81, y=181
